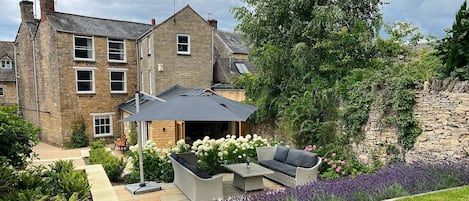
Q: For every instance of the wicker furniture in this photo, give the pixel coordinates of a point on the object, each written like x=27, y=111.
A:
x=192, y=185
x=291, y=167
x=248, y=178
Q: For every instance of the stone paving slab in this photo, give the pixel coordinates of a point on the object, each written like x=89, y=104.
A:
x=169, y=192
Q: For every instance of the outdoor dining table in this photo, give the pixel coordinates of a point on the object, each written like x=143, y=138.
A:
x=248, y=178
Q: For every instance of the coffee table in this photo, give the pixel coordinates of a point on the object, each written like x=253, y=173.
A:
x=248, y=178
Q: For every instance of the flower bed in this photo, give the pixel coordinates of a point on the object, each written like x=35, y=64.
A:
x=396, y=180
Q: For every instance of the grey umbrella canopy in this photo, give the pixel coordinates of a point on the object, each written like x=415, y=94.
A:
x=195, y=108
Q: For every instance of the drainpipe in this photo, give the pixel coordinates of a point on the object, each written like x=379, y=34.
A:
x=137, y=47
x=35, y=81
x=213, y=52
x=16, y=77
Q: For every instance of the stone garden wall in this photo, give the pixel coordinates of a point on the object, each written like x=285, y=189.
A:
x=443, y=111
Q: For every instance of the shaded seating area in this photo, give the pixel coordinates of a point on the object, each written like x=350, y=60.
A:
x=291, y=166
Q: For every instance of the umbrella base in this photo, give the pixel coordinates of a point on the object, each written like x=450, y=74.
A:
x=147, y=187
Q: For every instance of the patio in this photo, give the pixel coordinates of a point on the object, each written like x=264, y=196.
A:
x=169, y=192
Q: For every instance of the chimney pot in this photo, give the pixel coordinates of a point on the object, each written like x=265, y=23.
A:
x=153, y=22
x=213, y=23
x=27, y=14
x=47, y=8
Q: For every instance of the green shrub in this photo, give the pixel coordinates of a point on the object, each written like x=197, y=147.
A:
x=59, y=182
x=156, y=165
x=113, y=165
x=79, y=138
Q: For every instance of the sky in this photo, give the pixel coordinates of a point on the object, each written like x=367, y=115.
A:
x=431, y=16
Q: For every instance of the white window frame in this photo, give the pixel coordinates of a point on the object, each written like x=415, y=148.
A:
x=6, y=63
x=124, y=82
x=149, y=45
x=188, y=52
x=93, y=80
x=2, y=91
x=241, y=67
x=122, y=51
x=83, y=48
x=104, y=116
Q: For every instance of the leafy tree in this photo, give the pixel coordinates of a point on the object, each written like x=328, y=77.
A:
x=17, y=137
x=454, y=47
x=302, y=48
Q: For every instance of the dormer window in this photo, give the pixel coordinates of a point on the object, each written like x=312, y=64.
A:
x=183, y=44
x=6, y=63
x=116, y=50
x=83, y=48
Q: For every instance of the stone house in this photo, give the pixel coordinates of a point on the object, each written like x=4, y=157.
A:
x=178, y=57
x=74, y=68
x=231, y=61
x=7, y=74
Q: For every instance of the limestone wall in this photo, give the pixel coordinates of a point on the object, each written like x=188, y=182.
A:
x=442, y=109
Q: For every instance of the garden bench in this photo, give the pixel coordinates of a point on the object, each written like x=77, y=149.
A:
x=121, y=143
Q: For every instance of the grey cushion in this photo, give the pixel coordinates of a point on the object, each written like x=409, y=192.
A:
x=279, y=167
x=281, y=153
x=301, y=158
x=193, y=168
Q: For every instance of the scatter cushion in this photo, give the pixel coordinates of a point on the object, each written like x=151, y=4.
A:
x=175, y=156
x=281, y=153
x=193, y=168
x=279, y=167
x=301, y=158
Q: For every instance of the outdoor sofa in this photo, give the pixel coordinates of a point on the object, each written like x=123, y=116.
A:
x=193, y=182
x=291, y=166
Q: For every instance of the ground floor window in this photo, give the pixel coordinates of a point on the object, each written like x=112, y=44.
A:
x=2, y=91
x=102, y=124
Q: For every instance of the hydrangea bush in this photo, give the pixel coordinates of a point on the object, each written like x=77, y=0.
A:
x=396, y=180
x=156, y=166
x=227, y=150
x=211, y=154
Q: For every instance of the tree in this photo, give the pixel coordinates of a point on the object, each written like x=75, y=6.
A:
x=17, y=137
x=454, y=47
x=301, y=49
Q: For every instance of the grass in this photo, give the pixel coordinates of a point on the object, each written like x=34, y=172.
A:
x=454, y=195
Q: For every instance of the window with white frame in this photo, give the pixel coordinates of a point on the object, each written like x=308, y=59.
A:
x=83, y=48
x=241, y=67
x=2, y=91
x=6, y=63
x=183, y=44
x=149, y=45
x=102, y=124
x=118, y=81
x=116, y=50
x=85, y=79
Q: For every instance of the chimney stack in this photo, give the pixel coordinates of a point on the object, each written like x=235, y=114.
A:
x=153, y=22
x=47, y=8
x=213, y=23
x=27, y=14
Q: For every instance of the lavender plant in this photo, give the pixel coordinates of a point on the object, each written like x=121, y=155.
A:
x=397, y=180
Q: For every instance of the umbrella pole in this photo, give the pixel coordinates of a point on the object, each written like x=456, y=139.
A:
x=139, y=140
x=141, y=187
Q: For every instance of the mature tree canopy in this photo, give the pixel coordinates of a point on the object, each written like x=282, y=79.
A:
x=301, y=48
x=454, y=47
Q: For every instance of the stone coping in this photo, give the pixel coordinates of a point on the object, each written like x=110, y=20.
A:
x=101, y=187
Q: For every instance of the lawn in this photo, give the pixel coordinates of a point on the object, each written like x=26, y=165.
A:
x=453, y=194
